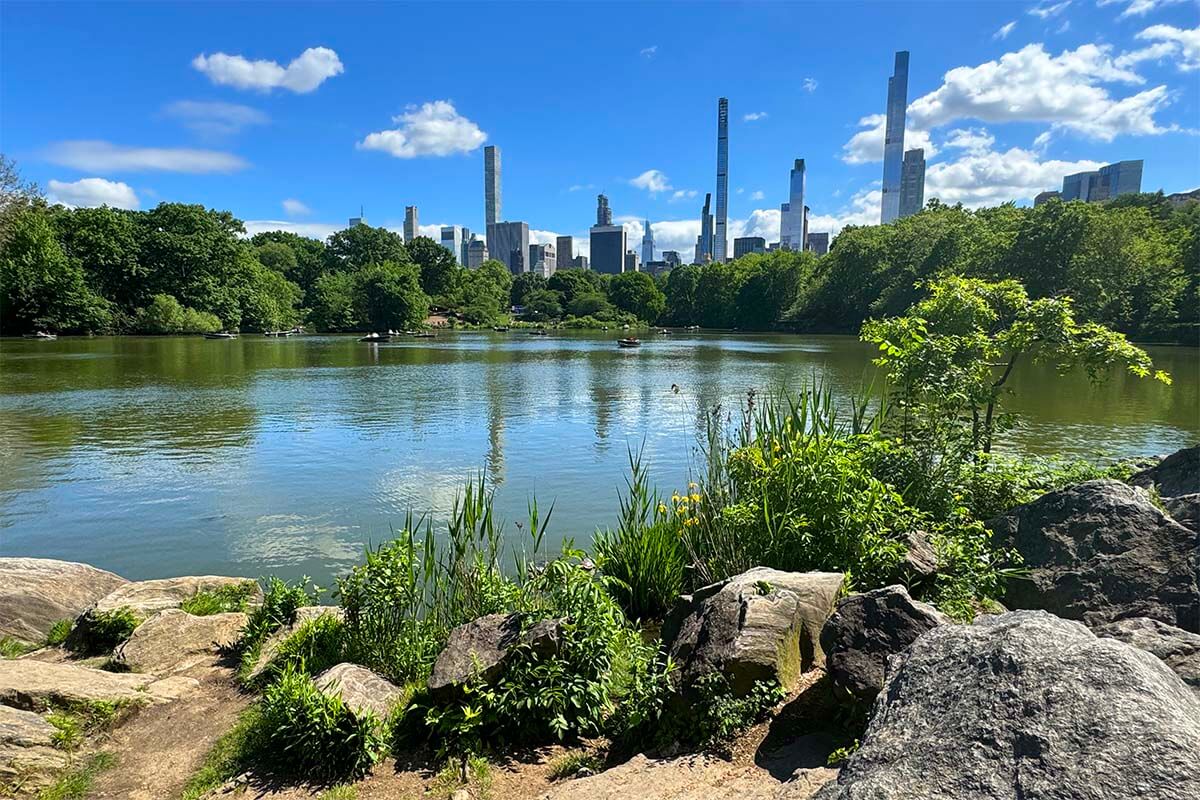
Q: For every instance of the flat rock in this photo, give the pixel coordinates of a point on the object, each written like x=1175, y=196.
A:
x=270, y=645
x=1101, y=551
x=1026, y=705
x=174, y=640
x=26, y=750
x=1177, y=648
x=361, y=689
x=762, y=625
x=146, y=598
x=35, y=593
x=37, y=685
x=1177, y=474
x=1185, y=509
x=480, y=649
x=684, y=778
x=867, y=629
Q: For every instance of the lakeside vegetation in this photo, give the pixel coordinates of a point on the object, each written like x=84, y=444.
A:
x=1130, y=264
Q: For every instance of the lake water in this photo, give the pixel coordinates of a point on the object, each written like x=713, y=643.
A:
x=165, y=456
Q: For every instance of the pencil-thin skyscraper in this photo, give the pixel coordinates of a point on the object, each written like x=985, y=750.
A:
x=491, y=184
x=893, y=138
x=722, y=180
x=912, y=182
x=704, y=242
x=791, y=217
x=647, y=244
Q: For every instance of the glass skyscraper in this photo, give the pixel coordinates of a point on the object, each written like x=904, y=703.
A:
x=704, y=242
x=719, y=242
x=893, y=138
x=1123, y=177
x=411, y=229
x=791, y=216
x=491, y=184
x=647, y=244
x=509, y=242
x=912, y=182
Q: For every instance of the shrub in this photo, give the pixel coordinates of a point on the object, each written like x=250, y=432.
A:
x=317, y=645
x=165, y=315
x=233, y=597
x=571, y=763
x=76, y=783
x=11, y=647
x=68, y=732
x=59, y=632
x=280, y=602
x=104, y=631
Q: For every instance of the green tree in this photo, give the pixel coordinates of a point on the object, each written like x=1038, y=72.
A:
x=525, y=284
x=680, y=294
x=542, y=304
x=771, y=286
x=439, y=268
x=388, y=296
x=308, y=260
x=164, y=315
x=360, y=245
x=103, y=241
x=570, y=283
x=590, y=305
x=270, y=301
x=333, y=307
x=637, y=293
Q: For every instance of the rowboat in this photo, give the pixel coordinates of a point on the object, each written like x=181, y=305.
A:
x=500, y=328
x=41, y=336
x=375, y=337
x=630, y=342
x=424, y=335
x=221, y=335
x=539, y=332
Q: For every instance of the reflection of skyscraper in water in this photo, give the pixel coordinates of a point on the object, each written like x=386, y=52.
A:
x=493, y=381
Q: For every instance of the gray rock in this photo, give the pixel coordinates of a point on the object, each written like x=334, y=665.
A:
x=1177, y=648
x=38, y=685
x=761, y=625
x=920, y=562
x=682, y=778
x=865, y=630
x=480, y=649
x=1101, y=551
x=1185, y=509
x=360, y=689
x=146, y=598
x=1026, y=705
x=270, y=645
x=27, y=752
x=1177, y=474
x=35, y=593
x=174, y=640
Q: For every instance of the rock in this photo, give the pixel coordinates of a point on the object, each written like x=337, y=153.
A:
x=361, y=689
x=146, y=598
x=35, y=593
x=1185, y=510
x=804, y=783
x=761, y=625
x=1102, y=551
x=174, y=640
x=270, y=645
x=865, y=630
x=1177, y=474
x=1026, y=705
x=920, y=562
x=37, y=685
x=1177, y=648
x=683, y=778
x=480, y=649
x=27, y=751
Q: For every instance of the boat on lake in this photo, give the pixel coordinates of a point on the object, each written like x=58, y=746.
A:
x=424, y=335
x=376, y=337
x=41, y=336
x=500, y=328
x=539, y=332
x=629, y=342
x=221, y=335
x=279, y=333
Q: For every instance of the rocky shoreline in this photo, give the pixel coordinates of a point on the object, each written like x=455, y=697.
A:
x=1088, y=687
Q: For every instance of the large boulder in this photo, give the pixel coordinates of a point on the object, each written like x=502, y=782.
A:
x=38, y=685
x=270, y=646
x=361, y=689
x=1026, y=705
x=174, y=641
x=1101, y=551
x=35, y=593
x=1177, y=648
x=27, y=751
x=867, y=629
x=1176, y=475
x=1184, y=509
x=146, y=598
x=480, y=649
x=758, y=626
x=683, y=778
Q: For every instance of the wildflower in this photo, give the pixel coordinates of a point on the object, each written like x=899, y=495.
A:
x=691, y=521
x=695, y=498
x=693, y=485
x=662, y=508
x=675, y=497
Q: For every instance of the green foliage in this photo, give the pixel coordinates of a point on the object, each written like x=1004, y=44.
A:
x=571, y=763
x=164, y=315
x=59, y=632
x=280, y=602
x=438, y=267
x=68, y=731
x=104, y=631
x=711, y=715
x=541, y=305
x=388, y=296
x=343, y=791
x=317, y=645
x=230, y=755
x=11, y=647
x=525, y=284
x=356, y=247
x=303, y=731
x=232, y=597
x=76, y=782
x=841, y=755
x=636, y=293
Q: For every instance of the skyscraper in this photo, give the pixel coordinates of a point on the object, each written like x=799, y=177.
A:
x=603, y=212
x=542, y=259
x=912, y=182
x=818, y=243
x=719, y=243
x=672, y=258
x=631, y=261
x=452, y=240
x=477, y=253
x=1105, y=183
x=704, y=242
x=361, y=219
x=791, y=213
x=566, y=251
x=608, y=248
x=411, y=229
x=893, y=138
x=746, y=245
x=508, y=242
x=647, y=244
x=491, y=184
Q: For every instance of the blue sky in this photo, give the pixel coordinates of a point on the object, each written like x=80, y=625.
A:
x=292, y=115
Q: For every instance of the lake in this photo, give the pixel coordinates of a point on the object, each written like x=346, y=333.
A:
x=163, y=456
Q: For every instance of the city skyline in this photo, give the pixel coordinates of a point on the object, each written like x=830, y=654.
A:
x=303, y=151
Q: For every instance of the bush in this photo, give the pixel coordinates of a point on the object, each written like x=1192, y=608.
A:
x=317, y=645
x=59, y=632
x=221, y=600
x=105, y=631
x=165, y=315
x=280, y=602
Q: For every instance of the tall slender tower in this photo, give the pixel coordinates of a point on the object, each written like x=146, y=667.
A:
x=603, y=212
x=893, y=138
x=718, y=252
x=411, y=228
x=791, y=218
x=912, y=182
x=491, y=184
x=647, y=244
x=704, y=242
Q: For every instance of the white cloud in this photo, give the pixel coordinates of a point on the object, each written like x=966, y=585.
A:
x=306, y=72
x=863, y=209
x=683, y=194
x=755, y=115
x=972, y=140
x=758, y=195
x=433, y=129
x=1138, y=8
x=1005, y=30
x=985, y=177
x=653, y=181
x=1066, y=26
x=649, y=52
x=433, y=231
x=294, y=208
x=1047, y=11
x=809, y=85
x=92, y=192
x=100, y=156
x=215, y=118
x=1183, y=45
x=579, y=187
x=867, y=145
x=313, y=230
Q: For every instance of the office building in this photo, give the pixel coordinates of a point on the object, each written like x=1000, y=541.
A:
x=603, y=212
x=631, y=261
x=1044, y=197
x=791, y=213
x=452, y=240
x=719, y=241
x=608, y=248
x=361, y=219
x=566, y=252
x=804, y=227
x=704, y=242
x=579, y=262
x=1078, y=186
x=818, y=243
x=647, y=244
x=893, y=138
x=655, y=267
x=1123, y=177
x=508, y=243
x=491, y=184
x=672, y=258
x=912, y=182
x=477, y=253
x=411, y=229
x=746, y=245
x=542, y=259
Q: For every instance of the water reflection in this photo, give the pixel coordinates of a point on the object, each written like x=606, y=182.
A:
x=152, y=456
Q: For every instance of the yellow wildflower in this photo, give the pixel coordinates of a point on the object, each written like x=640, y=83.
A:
x=691, y=521
x=695, y=498
x=662, y=509
x=693, y=485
